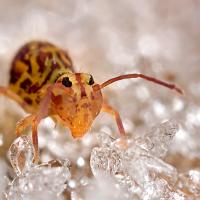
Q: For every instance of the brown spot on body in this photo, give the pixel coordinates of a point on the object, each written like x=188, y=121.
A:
x=28, y=100
x=14, y=76
x=26, y=84
x=22, y=56
x=34, y=88
x=17, y=71
x=41, y=58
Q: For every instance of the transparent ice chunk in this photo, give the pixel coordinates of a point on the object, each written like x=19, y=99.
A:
x=161, y=189
x=105, y=139
x=144, y=168
x=21, y=154
x=158, y=139
x=136, y=164
x=105, y=160
x=45, y=181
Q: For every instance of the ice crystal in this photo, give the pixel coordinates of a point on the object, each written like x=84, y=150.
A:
x=47, y=180
x=21, y=154
x=136, y=168
x=158, y=139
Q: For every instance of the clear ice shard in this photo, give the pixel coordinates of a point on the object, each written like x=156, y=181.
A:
x=158, y=139
x=105, y=160
x=44, y=181
x=136, y=164
x=21, y=154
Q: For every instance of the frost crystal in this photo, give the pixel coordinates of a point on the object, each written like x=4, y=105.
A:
x=105, y=159
x=136, y=164
x=21, y=154
x=158, y=139
x=44, y=181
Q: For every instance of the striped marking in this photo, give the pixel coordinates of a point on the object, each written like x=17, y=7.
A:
x=78, y=78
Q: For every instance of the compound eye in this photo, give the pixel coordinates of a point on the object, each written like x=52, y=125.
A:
x=91, y=81
x=66, y=82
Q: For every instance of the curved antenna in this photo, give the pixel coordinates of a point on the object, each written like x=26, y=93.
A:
x=148, y=78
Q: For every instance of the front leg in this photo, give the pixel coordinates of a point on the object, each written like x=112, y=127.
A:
x=107, y=108
x=22, y=125
x=34, y=121
x=35, y=124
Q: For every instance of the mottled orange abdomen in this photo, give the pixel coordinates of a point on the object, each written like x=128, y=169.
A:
x=35, y=65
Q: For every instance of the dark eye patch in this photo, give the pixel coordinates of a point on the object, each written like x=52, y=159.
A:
x=66, y=82
x=91, y=81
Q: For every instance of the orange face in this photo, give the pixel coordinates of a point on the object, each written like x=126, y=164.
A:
x=76, y=102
